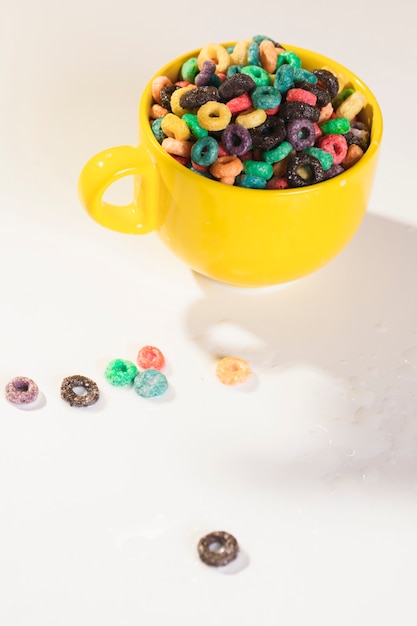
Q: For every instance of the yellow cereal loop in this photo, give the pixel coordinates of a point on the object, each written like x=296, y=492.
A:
x=174, y=126
x=251, y=119
x=176, y=108
x=239, y=56
x=216, y=53
x=351, y=106
x=214, y=116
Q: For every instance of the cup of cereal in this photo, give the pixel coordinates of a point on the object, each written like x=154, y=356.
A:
x=255, y=161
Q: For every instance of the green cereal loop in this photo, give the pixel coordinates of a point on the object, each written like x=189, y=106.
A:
x=233, y=69
x=120, y=372
x=253, y=54
x=341, y=97
x=205, y=151
x=288, y=56
x=150, y=383
x=259, y=169
x=157, y=130
x=250, y=182
x=336, y=126
x=284, y=78
x=325, y=158
x=189, y=70
x=301, y=74
x=278, y=153
x=258, y=75
x=192, y=122
x=266, y=97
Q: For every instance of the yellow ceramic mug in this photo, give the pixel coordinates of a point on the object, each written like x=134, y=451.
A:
x=244, y=237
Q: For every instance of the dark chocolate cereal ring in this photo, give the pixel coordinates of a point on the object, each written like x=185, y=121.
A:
x=329, y=80
x=73, y=398
x=304, y=169
x=199, y=96
x=295, y=110
x=165, y=95
x=236, y=86
x=268, y=135
x=218, y=548
x=21, y=390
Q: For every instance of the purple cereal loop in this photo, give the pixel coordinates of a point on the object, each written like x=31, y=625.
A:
x=236, y=139
x=21, y=390
x=207, y=70
x=301, y=134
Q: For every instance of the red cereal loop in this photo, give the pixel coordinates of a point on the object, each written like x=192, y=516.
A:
x=336, y=145
x=277, y=182
x=301, y=95
x=239, y=104
x=232, y=371
x=150, y=356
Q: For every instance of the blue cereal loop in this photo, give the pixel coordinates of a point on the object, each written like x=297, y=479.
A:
x=157, y=130
x=150, y=383
x=300, y=74
x=284, y=78
x=250, y=182
x=266, y=97
x=233, y=69
x=253, y=54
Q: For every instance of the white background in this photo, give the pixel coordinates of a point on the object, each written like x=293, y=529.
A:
x=312, y=465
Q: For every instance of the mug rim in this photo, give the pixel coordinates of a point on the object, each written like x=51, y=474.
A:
x=376, y=129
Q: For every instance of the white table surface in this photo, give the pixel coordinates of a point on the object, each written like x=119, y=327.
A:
x=313, y=466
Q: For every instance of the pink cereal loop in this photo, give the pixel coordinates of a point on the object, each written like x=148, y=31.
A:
x=232, y=371
x=239, y=104
x=336, y=146
x=301, y=95
x=325, y=113
x=150, y=356
x=157, y=84
x=177, y=147
x=226, y=166
x=21, y=390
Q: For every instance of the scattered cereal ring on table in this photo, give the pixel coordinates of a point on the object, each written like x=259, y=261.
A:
x=150, y=356
x=218, y=548
x=89, y=391
x=150, y=383
x=120, y=372
x=232, y=370
x=21, y=390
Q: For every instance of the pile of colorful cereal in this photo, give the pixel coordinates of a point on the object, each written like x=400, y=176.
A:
x=252, y=116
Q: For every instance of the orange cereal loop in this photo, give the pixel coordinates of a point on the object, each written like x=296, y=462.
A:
x=156, y=86
x=268, y=56
x=177, y=147
x=176, y=108
x=228, y=180
x=226, y=166
x=353, y=155
x=216, y=53
x=157, y=111
x=325, y=113
x=232, y=371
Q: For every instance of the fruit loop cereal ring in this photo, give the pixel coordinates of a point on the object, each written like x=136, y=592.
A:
x=336, y=145
x=215, y=53
x=197, y=97
x=214, y=116
x=192, y=122
x=304, y=169
x=236, y=86
x=301, y=74
x=266, y=97
x=226, y=166
x=284, y=78
x=322, y=95
x=258, y=168
x=325, y=158
x=157, y=111
x=249, y=181
x=231, y=370
x=354, y=153
x=258, y=75
x=165, y=96
x=268, y=135
x=298, y=110
x=301, y=134
x=301, y=95
x=150, y=356
x=236, y=139
x=326, y=113
x=157, y=84
x=120, y=372
x=351, y=106
x=150, y=383
x=239, y=104
x=174, y=126
x=338, y=126
x=268, y=55
x=177, y=147
x=88, y=395
x=205, y=151
x=208, y=70
x=218, y=548
x=289, y=57
x=329, y=80
x=279, y=153
x=175, y=100
x=21, y=390
x=251, y=119
x=239, y=55
x=189, y=70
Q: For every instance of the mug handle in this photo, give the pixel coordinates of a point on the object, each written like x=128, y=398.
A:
x=105, y=168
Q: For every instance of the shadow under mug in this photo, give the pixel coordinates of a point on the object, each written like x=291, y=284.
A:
x=239, y=236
